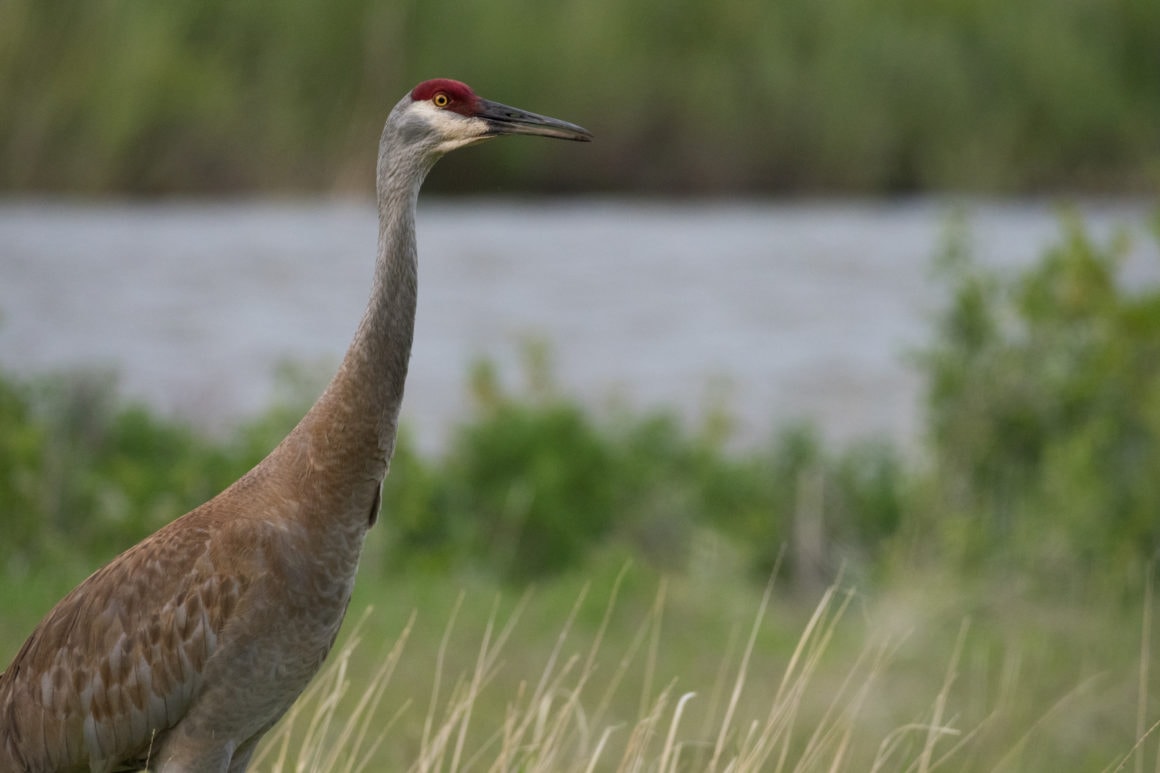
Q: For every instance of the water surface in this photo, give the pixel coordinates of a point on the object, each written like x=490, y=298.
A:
x=784, y=311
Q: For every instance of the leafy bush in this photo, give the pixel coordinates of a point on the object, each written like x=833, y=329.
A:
x=80, y=469
x=534, y=483
x=525, y=489
x=22, y=444
x=1044, y=414
x=83, y=472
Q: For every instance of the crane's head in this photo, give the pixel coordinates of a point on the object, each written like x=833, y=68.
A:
x=443, y=114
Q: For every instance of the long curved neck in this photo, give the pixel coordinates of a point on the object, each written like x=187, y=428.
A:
x=347, y=438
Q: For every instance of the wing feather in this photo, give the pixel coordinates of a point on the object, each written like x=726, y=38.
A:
x=119, y=660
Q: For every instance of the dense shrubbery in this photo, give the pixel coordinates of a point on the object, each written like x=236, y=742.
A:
x=80, y=471
x=724, y=96
x=534, y=483
x=1044, y=416
x=1043, y=442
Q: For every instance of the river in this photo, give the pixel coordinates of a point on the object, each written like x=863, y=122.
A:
x=779, y=311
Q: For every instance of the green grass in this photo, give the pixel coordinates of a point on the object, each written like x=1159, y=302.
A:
x=670, y=673
x=623, y=668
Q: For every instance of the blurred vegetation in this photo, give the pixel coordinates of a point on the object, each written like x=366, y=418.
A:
x=1038, y=463
x=735, y=95
x=1044, y=416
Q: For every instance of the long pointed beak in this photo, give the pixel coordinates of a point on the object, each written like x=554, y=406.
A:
x=502, y=119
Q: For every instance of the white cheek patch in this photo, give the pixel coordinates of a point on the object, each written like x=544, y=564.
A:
x=454, y=130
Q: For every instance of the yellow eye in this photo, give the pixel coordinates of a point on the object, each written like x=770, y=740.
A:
x=441, y=99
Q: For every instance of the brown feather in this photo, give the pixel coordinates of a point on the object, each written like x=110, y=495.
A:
x=185, y=649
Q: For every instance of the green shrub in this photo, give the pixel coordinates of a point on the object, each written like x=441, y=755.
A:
x=80, y=469
x=533, y=484
x=83, y=472
x=22, y=448
x=525, y=489
x=1043, y=405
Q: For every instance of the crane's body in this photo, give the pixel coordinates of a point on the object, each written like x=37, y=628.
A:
x=184, y=650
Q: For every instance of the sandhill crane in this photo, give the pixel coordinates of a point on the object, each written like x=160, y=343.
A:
x=184, y=650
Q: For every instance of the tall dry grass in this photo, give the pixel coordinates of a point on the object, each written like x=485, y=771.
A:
x=561, y=719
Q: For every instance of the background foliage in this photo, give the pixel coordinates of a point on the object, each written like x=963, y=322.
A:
x=734, y=95
x=1035, y=471
x=1041, y=445
x=1044, y=415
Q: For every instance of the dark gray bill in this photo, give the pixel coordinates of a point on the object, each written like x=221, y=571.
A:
x=502, y=119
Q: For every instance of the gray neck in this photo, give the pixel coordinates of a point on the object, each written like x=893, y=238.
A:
x=350, y=432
